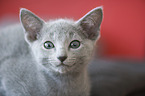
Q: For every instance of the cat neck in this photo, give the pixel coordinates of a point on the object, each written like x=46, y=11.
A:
x=78, y=81
x=80, y=77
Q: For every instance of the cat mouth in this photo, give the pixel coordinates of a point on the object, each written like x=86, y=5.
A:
x=65, y=65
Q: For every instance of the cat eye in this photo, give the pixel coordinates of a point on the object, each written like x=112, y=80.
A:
x=48, y=45
x=75, y=44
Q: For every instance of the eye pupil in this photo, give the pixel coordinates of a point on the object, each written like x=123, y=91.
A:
x=74, y=44
x=48, y=45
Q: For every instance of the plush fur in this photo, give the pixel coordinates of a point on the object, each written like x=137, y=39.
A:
x=27, y=68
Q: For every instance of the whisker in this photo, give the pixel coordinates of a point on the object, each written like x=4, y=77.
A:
x=72, y=59
x=43, y=58
x=44, y=63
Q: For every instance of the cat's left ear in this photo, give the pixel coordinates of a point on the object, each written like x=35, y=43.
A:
x=31, y=23
x=90, y=23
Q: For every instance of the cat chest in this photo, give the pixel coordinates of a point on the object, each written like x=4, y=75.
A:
x=67, y=90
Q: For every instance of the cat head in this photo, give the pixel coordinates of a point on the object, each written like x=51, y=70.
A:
x=62, y=45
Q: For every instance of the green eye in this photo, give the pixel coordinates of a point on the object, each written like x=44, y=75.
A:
x=48, y=45
x=75, y=44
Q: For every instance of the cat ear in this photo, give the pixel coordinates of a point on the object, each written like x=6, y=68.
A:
x=31, y=23
x=91, y=22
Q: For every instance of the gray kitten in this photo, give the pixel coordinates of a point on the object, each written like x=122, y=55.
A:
x=53, y=57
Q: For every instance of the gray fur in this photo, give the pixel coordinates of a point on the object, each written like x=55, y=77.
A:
x=28, y=69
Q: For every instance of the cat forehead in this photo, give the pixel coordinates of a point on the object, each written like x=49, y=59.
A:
x=62, y=28
x=62, y=25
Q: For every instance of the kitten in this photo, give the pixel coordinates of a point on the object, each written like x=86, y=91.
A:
x=48, y=58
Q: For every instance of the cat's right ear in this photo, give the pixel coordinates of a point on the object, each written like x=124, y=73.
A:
x=31, y=23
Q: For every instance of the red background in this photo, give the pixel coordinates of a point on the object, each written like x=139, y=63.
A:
x=123, y=27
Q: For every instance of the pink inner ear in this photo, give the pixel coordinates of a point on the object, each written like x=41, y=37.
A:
x=31, y=24
x=91, y=23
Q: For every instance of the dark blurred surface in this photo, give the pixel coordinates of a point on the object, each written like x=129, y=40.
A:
x=117, y=78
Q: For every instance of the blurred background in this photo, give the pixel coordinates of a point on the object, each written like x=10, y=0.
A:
x=122, y=30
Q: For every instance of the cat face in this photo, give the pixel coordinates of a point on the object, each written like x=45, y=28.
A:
x=62, y=45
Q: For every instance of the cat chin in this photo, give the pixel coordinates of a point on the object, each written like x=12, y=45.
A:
x=61, y=69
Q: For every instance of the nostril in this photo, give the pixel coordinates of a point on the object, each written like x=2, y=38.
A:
x=62, y=58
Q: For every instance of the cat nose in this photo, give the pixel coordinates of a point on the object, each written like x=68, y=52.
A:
x=62, y=58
